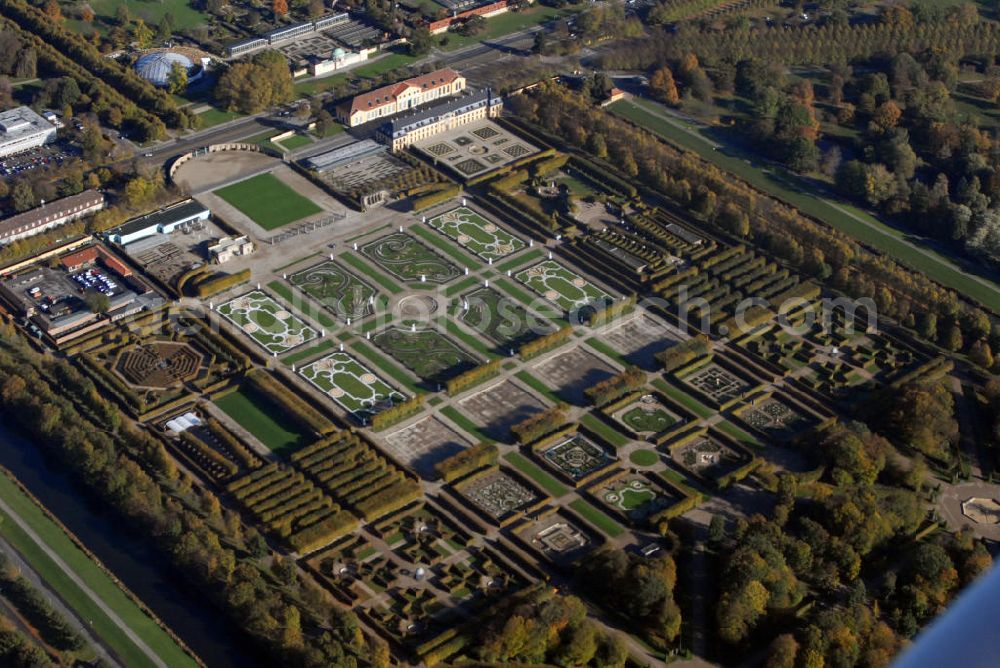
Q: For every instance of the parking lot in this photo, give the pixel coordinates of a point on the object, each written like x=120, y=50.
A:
x=44, y=156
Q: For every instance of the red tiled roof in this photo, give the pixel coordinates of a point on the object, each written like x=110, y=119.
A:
x=388, y=94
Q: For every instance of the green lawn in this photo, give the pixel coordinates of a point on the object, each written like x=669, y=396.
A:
x=387, y=367
x=212, y=117
x=732, y=430
x=602, y=347
x=790, y=188
x=551, y=486
x=537, y=385
x=524, y=258
x=185, y=15
x=465, y=423
x=504, y=24
x=643, y=457
x=295, y=358
x=261, y=417
x=371, y=272
x=94, y=577
x=294, y=142
x=597, y=517
x=442, y=245
x=608, y=433
x=268, y=201
x=683, y=398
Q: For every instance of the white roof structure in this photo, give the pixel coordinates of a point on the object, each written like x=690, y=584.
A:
x=155, y=67
x=183, y=422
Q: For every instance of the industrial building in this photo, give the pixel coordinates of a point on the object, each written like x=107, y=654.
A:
x=407, y=129
x=164, y=221
x=399, y=97
x=22, y=129
x=50, y=215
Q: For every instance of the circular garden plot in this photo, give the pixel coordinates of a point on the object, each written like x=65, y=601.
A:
x=409, y=260
x=561, y=286
x=337, y=289
x=352, y=385
x=476, y=234
x=267, y=322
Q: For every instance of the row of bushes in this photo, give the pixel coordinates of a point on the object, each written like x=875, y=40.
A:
x=545, y=343
x=438, y=197
x=510, y=181
x=607, y=314
x=397, y=413
x=216, y=283
x=297, y=407
x=466, y=461
x=473, y=377
x=545, y=167
x=50, y=623
x=753, y=317
x=207, y=457
x=617, y=386
x=683, y=353
x=540, y=424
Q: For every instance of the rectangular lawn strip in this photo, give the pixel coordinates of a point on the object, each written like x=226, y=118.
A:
x=605, y=431
x=597, y=517
x=473, y=342
x=389, y=368
x=732, y=430
x=461, y=286
x=262, y=418
x=790, y=189
x=95, y=578
x=371, y=272
x=553, y=487
x=294, y=142
x=268, y=201
x=683, y=398
x=380, y=319
x=441, y=244
x=523, y=259
x=537, y=385
x=295, y=358
x=464, y=423
x=602, y=347
x=304, y=305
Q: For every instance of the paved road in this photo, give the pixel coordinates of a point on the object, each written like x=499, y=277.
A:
x=78, y=581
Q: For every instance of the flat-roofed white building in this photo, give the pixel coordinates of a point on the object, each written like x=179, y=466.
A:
x=22, y=129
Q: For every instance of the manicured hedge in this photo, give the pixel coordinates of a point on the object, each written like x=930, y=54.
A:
x=466, y=461
x=473, y=377
x=296, y=407
x=430, y=199
x=545, y=343
x=219, y=282
x=610, y=312
x=397, y=413
x=540, y=424
x=683, y=353
x=610, y=389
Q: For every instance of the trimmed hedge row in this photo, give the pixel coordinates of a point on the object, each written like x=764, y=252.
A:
x=302, y=412
x=610, y=312
x=397, y=413
x=219, y=282
x=540, y=424
x=617, y=386
x=473, y=377
x=545, y=343
x=430, y=199
x=466, y=461
x=683, y=353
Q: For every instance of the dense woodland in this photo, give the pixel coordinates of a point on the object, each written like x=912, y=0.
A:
x=872, y=106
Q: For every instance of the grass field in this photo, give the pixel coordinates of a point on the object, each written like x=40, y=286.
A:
x=504, y=24
x=294, y=142
x=641, y=420
x=185, y=15
x=212, y=117
x=790, y=189
x=268, y=201
x=683, y=398
x=262, y=418
x=608, y=433
x=95, y=578
x=551, y=486
x=267, y=322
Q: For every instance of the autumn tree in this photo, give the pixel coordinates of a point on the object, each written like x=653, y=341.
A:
x=280, y=8
x=663, y=87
